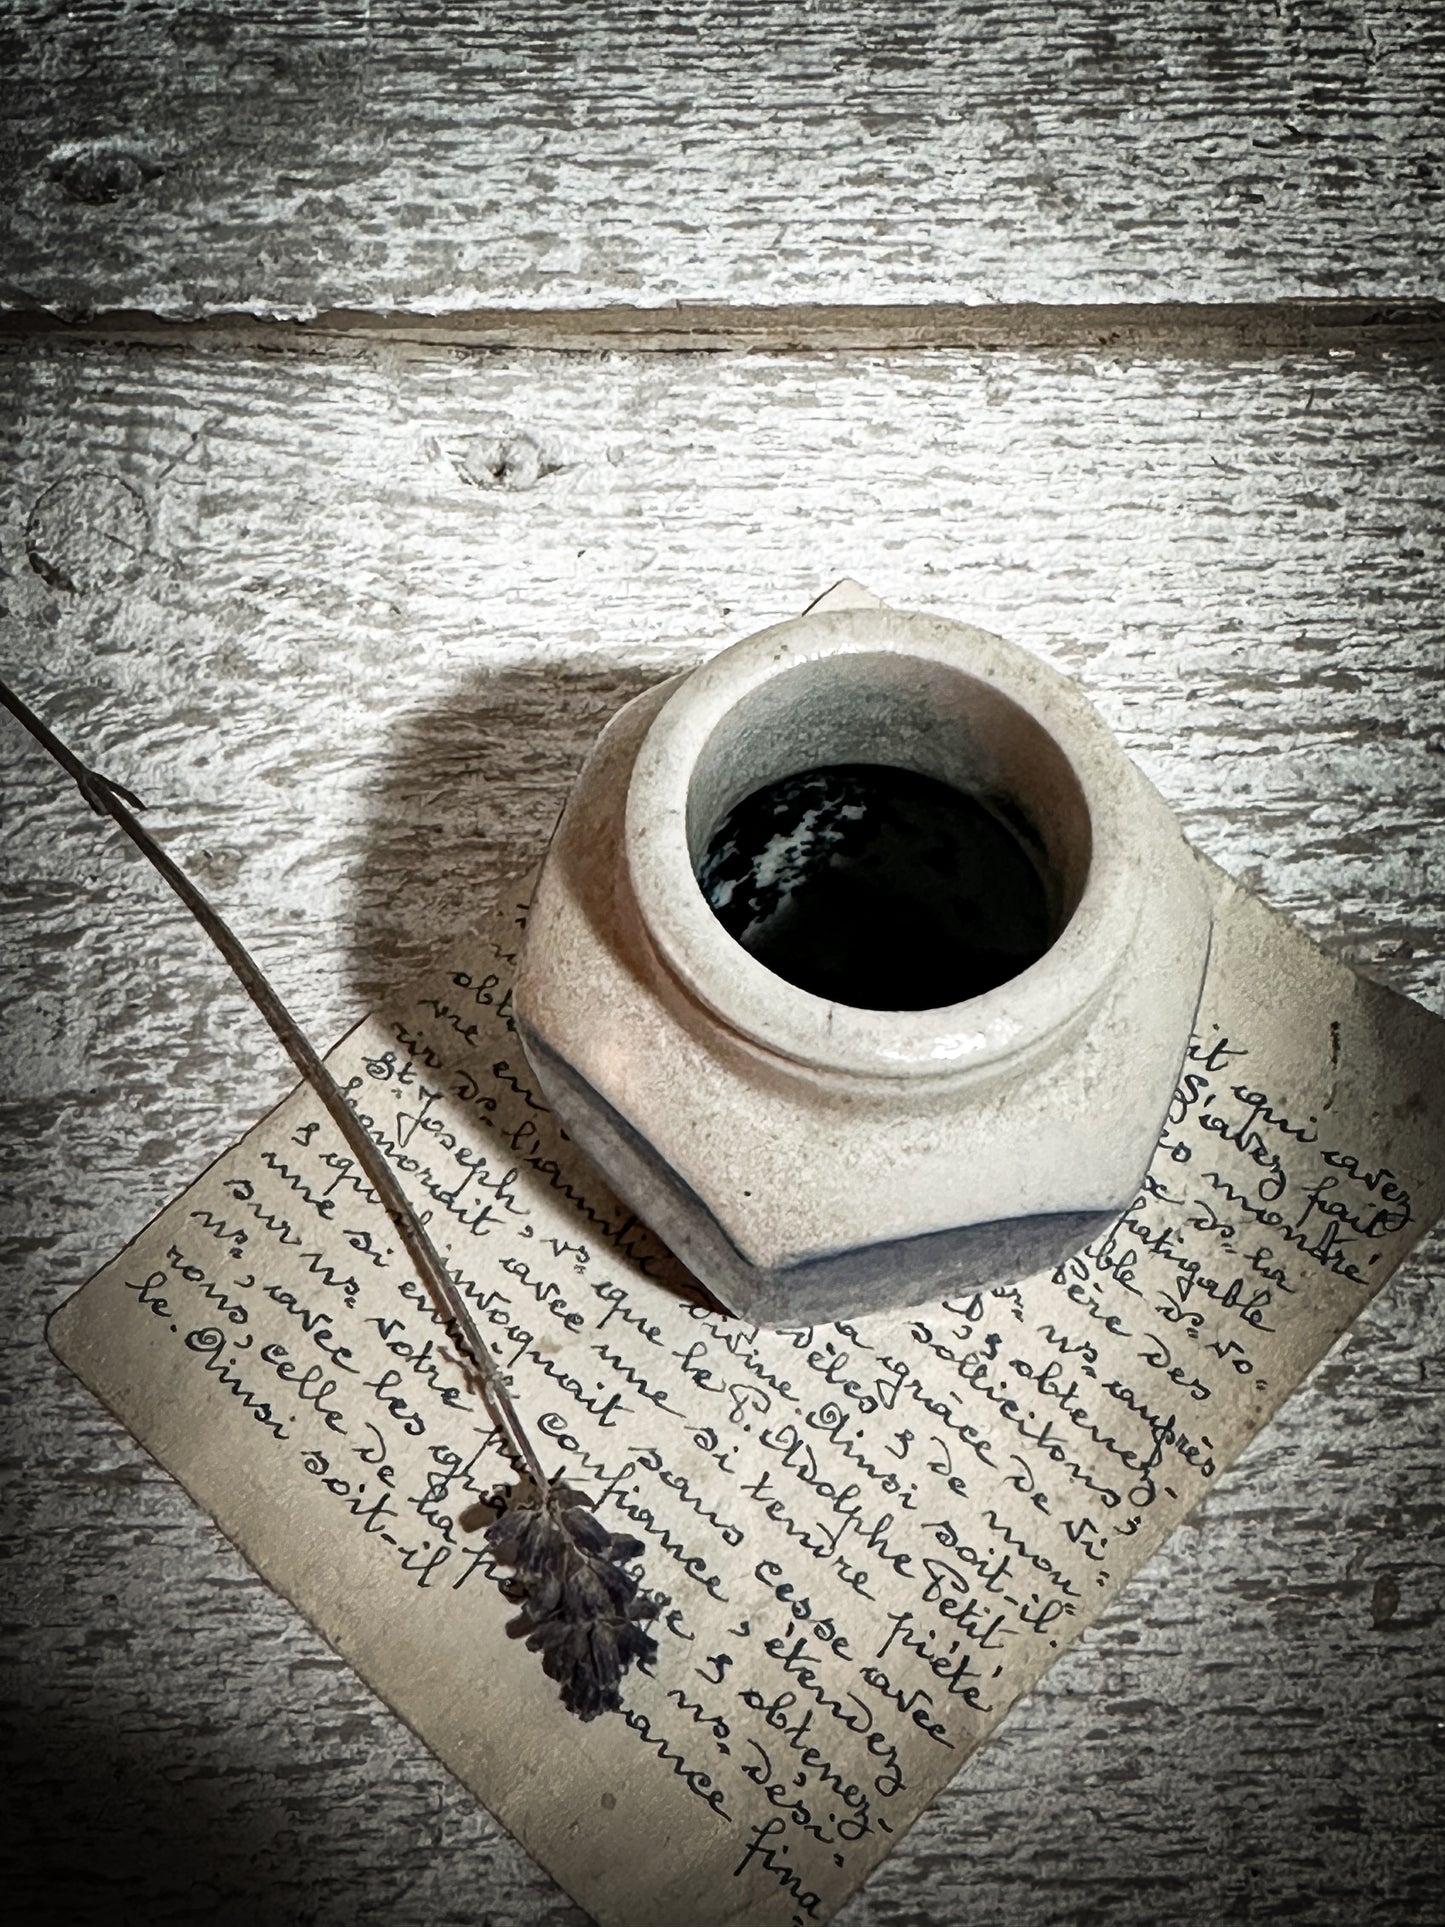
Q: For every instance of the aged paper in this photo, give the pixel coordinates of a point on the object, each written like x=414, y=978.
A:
x=874, y=1537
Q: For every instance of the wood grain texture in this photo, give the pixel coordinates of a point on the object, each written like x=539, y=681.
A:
x=349, y=623
x=373, y=154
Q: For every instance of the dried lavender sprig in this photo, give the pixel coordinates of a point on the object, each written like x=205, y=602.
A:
x=110, y=799
x=583, y=1611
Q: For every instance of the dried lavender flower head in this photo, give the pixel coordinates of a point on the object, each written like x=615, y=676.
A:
x=583, y=1611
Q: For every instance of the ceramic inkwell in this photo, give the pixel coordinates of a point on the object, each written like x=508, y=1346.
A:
x=862, y=964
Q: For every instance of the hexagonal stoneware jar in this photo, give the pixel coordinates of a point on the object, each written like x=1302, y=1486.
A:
x=862, y=963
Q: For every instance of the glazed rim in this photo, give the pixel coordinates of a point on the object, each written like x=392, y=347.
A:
x=916, y=692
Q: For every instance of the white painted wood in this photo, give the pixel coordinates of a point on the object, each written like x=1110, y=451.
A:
x=376, y=154
x=348, y=623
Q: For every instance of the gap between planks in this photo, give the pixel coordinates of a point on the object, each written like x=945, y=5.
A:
x=1196, y=330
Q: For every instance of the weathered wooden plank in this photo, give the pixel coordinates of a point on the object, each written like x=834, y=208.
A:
x=349, y=623
x=1237, y=561
x=369, y=154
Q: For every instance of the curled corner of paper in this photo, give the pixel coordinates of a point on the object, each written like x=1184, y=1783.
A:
x=846, y=594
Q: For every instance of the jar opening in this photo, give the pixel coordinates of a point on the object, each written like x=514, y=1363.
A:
x=880, y=887
x=1032, y=833
x=887, y=832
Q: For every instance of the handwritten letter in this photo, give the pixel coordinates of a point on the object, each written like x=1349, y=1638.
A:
x=873, y=1537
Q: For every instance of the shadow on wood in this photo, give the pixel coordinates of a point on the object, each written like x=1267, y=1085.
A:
x=465, y=797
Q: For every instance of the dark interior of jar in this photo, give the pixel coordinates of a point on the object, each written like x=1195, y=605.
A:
x=887, y=831
x=879, y=887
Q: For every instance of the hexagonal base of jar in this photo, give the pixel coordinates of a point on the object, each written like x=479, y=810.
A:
x=841, y=1284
